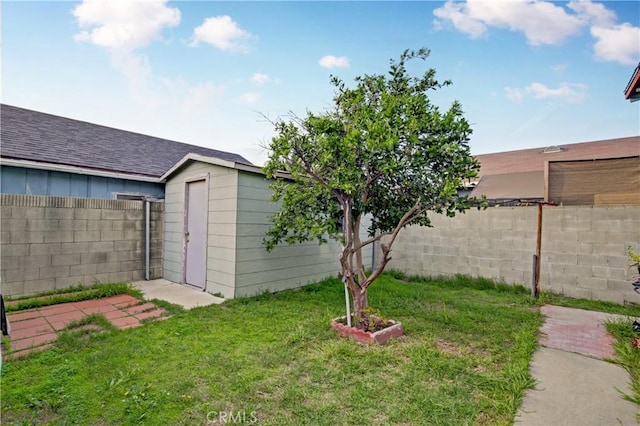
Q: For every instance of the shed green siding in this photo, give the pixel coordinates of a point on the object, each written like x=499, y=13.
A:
x=287, y=266
x=240, y=209
x=222, y=184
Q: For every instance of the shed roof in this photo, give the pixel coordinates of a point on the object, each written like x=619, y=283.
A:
x=44, y=138
x=531, y=160
x=191, y=157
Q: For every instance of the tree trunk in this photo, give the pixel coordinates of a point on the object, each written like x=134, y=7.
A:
x=359, y=303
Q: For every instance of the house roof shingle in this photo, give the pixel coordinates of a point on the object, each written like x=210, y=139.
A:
x=40, y=137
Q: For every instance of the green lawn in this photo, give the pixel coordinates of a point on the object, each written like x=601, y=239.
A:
x=274, y=358
x=627, y=356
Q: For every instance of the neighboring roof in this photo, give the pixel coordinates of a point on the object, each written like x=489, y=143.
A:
x=510, y=186
x=531, y=160
x=632, y=91
x=44, y=138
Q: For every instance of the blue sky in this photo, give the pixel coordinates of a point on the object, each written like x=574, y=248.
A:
x=528, y=74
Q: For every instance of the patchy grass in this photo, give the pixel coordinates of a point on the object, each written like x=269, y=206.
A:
x=627, y=355
x=464, y=360
x=169, y=308
x=77, y=334
x=71, y=294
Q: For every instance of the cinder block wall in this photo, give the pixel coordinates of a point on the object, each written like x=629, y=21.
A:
x=50, y=243
x=583, y=254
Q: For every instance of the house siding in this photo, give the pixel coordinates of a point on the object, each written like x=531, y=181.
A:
x=27, y=181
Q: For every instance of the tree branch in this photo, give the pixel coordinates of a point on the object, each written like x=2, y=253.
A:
x=371, y=240
x=386, y=248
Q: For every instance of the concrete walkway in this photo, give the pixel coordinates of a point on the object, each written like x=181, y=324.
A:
x=574, y=385
x=175, y=293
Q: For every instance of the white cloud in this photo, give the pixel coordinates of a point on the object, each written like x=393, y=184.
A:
x=596, y=13
x=542, y=22
x=124, y=29
x=559, y=68
x=249, y=98
x=515, y=94
x=223, y=33
x=620, y=43
x=259, y=79
x=137, y=74
x=126, y=25
x=570, y=92
x=458, y=14
x=190, y=97
x=330, y=61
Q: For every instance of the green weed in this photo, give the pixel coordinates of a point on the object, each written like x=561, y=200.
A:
x=71, y=294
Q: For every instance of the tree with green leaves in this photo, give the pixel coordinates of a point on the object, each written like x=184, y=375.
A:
x=383, y=152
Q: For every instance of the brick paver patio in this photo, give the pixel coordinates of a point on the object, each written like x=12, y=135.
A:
x=584, y=334
x=36, y=329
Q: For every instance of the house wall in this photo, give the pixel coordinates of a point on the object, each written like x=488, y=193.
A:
x=221, y=230
x=50, y=243
x=21, y=180
x=583, y=253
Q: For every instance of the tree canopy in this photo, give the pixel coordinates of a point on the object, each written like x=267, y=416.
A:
x=384, y=151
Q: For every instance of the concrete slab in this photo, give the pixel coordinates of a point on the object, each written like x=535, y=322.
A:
x=175, y=293
x=574, y=389
x=574, y=385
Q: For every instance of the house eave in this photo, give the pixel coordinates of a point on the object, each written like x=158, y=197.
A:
x=209, y=160
x=76, y=170
x=632, y=91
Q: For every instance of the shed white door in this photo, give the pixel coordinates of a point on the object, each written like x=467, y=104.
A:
x=196, y=234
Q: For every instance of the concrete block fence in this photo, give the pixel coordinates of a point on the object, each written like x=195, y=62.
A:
x=583, y=253
x=50, y=243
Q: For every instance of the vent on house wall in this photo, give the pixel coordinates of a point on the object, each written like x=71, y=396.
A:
x=127, y=196
x=552, y=149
